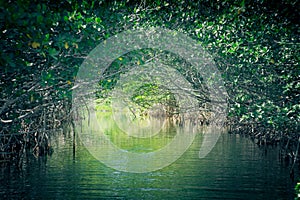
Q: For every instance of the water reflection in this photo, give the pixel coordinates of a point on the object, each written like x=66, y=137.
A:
x=110, y=145
x=235, y=169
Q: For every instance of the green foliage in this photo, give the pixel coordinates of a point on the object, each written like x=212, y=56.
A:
x=297, y=191
x=255, y=46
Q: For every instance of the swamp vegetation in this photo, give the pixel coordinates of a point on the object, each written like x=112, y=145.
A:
x=254, y=44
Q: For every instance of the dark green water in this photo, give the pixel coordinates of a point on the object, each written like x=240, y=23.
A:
x=235, y=169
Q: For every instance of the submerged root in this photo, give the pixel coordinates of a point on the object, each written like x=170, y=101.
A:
x=289, y=143
x=32, y=135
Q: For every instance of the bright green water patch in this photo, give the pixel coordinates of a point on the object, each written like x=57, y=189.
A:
x=127, y=142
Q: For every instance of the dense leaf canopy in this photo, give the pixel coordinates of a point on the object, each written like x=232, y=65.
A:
x=255, y=45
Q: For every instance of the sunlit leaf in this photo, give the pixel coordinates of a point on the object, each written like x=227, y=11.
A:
x=35, y=45
x=66, y=45
x=75, y=45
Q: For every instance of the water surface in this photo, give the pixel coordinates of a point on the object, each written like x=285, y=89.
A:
x=235, y=169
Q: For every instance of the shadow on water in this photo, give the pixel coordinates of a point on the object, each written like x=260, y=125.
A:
x=235, y=169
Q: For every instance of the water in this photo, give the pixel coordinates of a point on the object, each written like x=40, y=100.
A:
x=235, y=169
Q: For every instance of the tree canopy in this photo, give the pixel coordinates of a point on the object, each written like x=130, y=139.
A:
x=255, y=45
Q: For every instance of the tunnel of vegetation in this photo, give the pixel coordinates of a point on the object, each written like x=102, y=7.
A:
x=151, y=90
x=255, y=45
